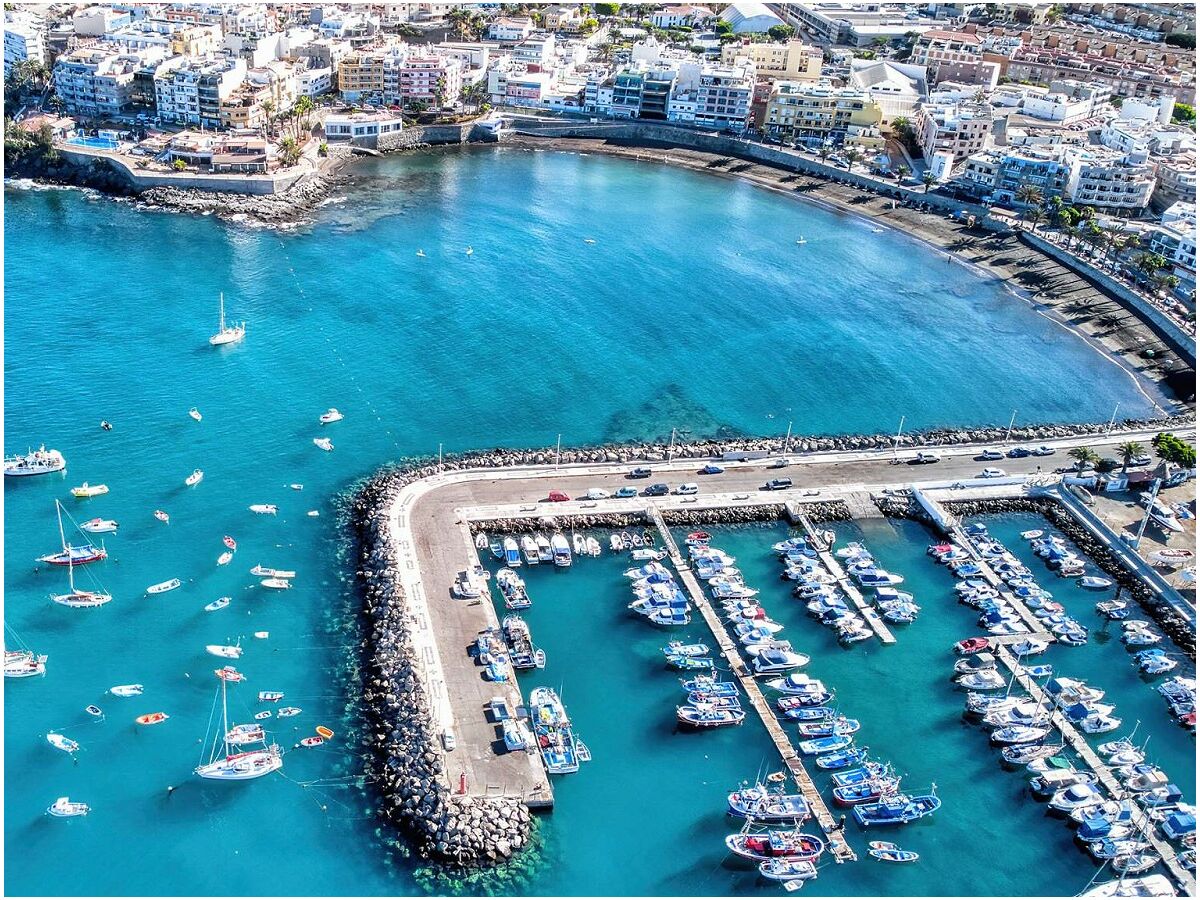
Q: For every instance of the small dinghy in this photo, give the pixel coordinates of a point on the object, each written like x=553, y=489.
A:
x=265, y=714
x=312, y=742
x=195, y=478
x=313, y=513
x=219, y=603
x=224, y=650
x=324, y=443
x=153, y=718
x=1031, y=535
x=229, y=542
x=195, y=414
x=889, y=852
x=65, y=808
x=787, y=870
x=296, y=486
x=225, y=558
x=95, y=711
x=262, y=635
x=163, y=586
x=1094, y=583
x=99, y=526
x=276, y=584
x=289, y=711
x=264, y=509
x=161, y=516
x=61, y=742
x=126, y=690
x=324, y=732
x=330, y=416
x=270, y=696
x=86, y=490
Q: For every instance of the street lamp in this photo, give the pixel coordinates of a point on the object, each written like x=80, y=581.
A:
x=558, y=452
x=1011, y=422
x=1113, y=420
x=896, y=442
x=787, y=440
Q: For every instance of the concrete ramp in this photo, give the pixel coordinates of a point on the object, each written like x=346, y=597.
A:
x=936, y=511
x=861, y=506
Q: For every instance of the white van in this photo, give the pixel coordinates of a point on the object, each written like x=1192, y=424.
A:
x=596, y=494
x=690, y=488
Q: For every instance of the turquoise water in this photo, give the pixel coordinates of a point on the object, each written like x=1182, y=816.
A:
x=702, y=314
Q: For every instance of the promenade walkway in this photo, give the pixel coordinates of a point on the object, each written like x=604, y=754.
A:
x=841, y=851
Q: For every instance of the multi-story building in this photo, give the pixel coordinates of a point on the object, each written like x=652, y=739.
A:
x=723, y=96
x=676, y=16
x=510, y=30
x=433, y=80
x=97, y=81
x=536, y=52
x=959, y=129
x=792, y=60
x=1111, y=181
x=96, y=21
x=1067, y=101
x=314, y=81
x=1176, y=179
x=898, y=88
x=189, y=91
x=24, y=38
x=361, y=128
x=812, y=113
x=561, y=18
x=360, y=74
x=855, y=24
x=1175, y=239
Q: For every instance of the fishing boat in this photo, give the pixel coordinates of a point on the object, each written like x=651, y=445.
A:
x=276, y=584
x=511, y=553
x=552, y=731
x=330, y=416
x=264, y=572
x=529, y=550
x=775, y=844
x=866, y=791
x=219, y=603
x=708, y=716
x=842, y=759
x=224, y=650
x=770, y=807
x=227, y=334
x=518, y=640
x=195, y=414
x=64, y=807
x=163, y=586
x=154, y=718
x=323, y=443
x=829, y=727
x=224, y=764
x=679, y=648
x=195, y=478
x=544, y=552
x=264, y=509
x=69, y=555
x=229, y=673
x=825, y=745
x=787, y=870
x=897, y=809
x=161, y=516
x=593, y=546
x=560, y=550
x=35, y=462
x=99, y=526
x=889, y=852
x=512, y=589
x=86, y=490
x=62, y=742
x=126, y=690
x=706, y=684
x=288, y=711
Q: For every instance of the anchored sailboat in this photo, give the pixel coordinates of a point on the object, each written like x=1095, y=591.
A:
x=224, y=764
x=230, y=334
x=72, y=556
x=22, y=662
x=76, y=598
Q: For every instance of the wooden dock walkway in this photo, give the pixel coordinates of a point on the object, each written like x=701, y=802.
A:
x=1110, y=782
x=838, y=847
x=989, y=574
x=849, y=588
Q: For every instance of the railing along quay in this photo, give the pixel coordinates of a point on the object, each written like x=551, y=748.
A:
x=841, y=850
x=1145, y=825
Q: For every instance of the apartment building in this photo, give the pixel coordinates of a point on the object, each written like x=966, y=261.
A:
x=959, y=129
x=24, y=38
x=1112, y=181
x=97, y=81
x=510, y=30
x=190, y=91
x=813, y=112
x=791, y=60
x=434, y=80
x=723, y=96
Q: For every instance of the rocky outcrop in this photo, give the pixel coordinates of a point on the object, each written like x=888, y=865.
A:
x=272, y=209
x=1175, y=626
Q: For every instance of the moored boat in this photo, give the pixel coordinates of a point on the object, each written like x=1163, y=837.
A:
x=897, y=809
x=775, y=844
x=35, y=462
x=163, y=586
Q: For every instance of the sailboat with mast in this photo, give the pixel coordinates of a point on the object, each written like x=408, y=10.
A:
x=76, y=598
x=227, y=761
x=69, y=555
x=227, y=334
x=22, y=662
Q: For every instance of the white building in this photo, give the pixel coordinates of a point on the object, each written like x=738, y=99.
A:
x=361, y=126
x=23, y=38
x=314, y=82
x=98, y=80
x=898, y=88
x=959, y=129
x=750, y=17
x=510, y=30
x=189, y=91
x=1175, y=239
x=723, y=96
x=99, y=20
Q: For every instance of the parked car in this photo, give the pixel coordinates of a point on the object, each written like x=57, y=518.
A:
x=657, y=490
x=924, y=459
x=712, y=469
x=992, y=473
x=448, y=740
x=1043, y=451
x=1018, y=452
x=780, y=464
x=777, y=484
x=641, y=472
x=625, y=492
x=1140, y=461
x=596, y=494
x=688, y=488
x=989, y=455
x=557, y=497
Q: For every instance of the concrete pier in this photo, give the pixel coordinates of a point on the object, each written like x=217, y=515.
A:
x=841, y=851
x=849, y=588
x=1149, y=831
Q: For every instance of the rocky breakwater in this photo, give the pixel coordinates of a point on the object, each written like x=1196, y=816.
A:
x=1173, y=624
x=404, y=759
x=291, y=205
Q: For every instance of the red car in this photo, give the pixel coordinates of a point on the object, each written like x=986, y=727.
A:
x=557, y=497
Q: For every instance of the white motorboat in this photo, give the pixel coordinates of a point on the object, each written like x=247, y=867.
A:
x=99, y=526
x=86, y=490
x=313, y=513
x=195, y=414
x=1031, y=535
x=1075, y=796
x=593, y=546
x=560, y=550
x=219, y=603
x=64, y=808
x=195, y=478
x=529, y=550
x=1145, y=886
x=225, y=558
x=224, y=650
x=1095, y=583
x=162, y=516
x=481, y=541
x=578, y=544
x=778, y=659
x=264, y=572
x=163, y=586
x=324, y=443
x=544, y=552
x=126, y=690
x=62, y=742
x=224, y=764
x=23, y=664
x=330, y=416
x=264, y=509
x=36, y=462
x=276, y=584
x=262, y=635
x=989, y=680
x=227, y=334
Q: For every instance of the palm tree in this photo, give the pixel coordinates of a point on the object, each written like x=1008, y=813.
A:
x=300, y=110
x=1072, y=232
x=1129, y=451
x=1036, y=216
x=928, y=179
x=1084, y=457
x=1030, y=195
x=823, y=152
x=268, y=107
x=852, y=157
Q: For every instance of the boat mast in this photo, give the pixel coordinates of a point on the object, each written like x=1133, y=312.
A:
x=221, y=323
x=225, y=716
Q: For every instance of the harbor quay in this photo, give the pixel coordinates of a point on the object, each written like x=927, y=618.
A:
x=429, y=520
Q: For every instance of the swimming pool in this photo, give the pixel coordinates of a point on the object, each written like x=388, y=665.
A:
x=94, y=142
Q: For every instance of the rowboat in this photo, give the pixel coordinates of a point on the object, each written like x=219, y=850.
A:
x=264, y=509
x=324, y=732
x=126, y=690
x=99, y=526
x=86, y=490
x=219, y=603
x=225, y=558
x=229, y=542
x=195, y=478
x=152, y=718
x=161, y=516
x=289, y=711
x=163, y=586
x=265, y=714
x=889, y=852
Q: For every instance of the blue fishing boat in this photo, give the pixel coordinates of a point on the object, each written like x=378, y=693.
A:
x=888, y=852
x=709, y=717
x=512, y=553
x=767, y=806
x=703, y=684
x=842, y=759
x=679, y=648
x=809, y=713
x=897, y=809
x=825, y=744
x=497, y=548
x=868, y=772
x=552, y=729
x=689, y=663
x=829, y=727
x=865, y=791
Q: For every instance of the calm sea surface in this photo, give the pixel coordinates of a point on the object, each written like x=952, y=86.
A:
x=694, y=309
